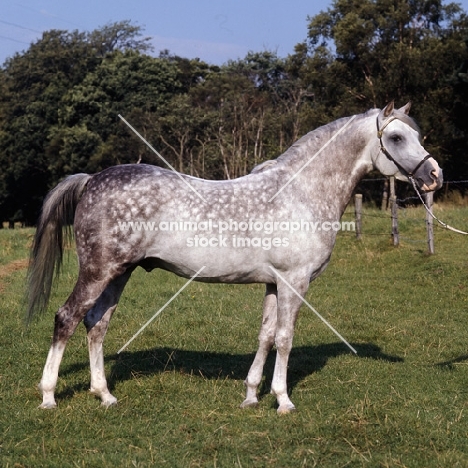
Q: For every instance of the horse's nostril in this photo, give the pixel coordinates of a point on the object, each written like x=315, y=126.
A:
x=435, y=174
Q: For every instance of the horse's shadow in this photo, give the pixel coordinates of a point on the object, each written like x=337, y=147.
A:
x=450, y=365
x=303, y=361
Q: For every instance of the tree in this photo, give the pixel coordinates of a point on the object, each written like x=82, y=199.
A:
x=364, y=54
x=60, y=100
x=122, y=83
x=33, y=86
x=122, y=36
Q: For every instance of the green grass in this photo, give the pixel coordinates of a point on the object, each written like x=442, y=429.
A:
x=403, y=401
x=14, y=244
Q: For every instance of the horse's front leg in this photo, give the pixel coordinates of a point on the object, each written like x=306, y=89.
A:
x=266, y=340
x=288, y=307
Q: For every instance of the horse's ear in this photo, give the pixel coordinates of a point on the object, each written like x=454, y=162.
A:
x=388, y=109
x=406, y=108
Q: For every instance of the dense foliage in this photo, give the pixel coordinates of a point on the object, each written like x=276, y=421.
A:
x=60, y=99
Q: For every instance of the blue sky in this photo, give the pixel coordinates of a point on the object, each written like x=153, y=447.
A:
x=212, y=31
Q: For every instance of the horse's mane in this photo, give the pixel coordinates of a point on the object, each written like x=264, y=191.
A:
x=327, y=130
x=314, y=137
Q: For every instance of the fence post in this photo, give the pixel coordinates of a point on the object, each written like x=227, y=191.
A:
x=392, y=187
x=429, y=196
x=394, y=208
x=358, y=214
x=395, y=234
x=384, y=205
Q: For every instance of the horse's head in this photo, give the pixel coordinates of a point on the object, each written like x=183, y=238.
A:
x=401, y=153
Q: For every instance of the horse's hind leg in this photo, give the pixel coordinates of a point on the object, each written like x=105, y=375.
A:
x=96, y=322
x=81, y=300
x=266, y=340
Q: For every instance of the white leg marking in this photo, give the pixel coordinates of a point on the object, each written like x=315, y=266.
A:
x=289, y=301
x=50, y=375
x=98, y=378
x=279, y=387
x=96, y=336
x=266, y=340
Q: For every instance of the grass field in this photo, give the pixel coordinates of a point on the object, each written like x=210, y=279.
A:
x=401, y=402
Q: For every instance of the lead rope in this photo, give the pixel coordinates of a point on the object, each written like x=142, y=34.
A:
x=445, y=225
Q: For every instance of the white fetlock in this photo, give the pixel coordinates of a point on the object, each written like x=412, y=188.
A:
x=251, y=400
x=48, y=399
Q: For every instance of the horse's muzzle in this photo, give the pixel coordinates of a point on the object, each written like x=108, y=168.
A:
x=429, y=176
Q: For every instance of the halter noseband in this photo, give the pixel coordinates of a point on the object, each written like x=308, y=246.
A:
x=390, y=157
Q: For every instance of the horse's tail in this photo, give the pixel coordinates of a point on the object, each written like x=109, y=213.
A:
x=58, y=212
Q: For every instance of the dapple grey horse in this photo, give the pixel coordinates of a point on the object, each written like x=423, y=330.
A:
x=245, y=233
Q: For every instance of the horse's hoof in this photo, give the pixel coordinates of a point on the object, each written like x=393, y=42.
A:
x=249, y=403
x=109, y=402
x=286, y=409
x=48, y=405
x=107, y=399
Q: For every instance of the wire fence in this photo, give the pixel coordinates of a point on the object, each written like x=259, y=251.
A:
x=372, y=190
x=399, y=210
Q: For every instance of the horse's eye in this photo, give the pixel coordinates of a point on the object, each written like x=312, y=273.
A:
x=396, y=138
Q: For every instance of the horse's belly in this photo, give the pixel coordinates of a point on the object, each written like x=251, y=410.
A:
x=209, y=265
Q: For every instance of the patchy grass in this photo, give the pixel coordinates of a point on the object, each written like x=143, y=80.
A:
x=402, y=401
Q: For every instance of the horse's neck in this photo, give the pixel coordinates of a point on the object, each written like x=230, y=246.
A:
x=331, y=174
